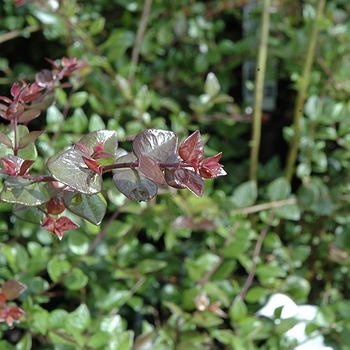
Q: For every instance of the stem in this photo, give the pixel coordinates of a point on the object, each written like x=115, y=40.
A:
x=139, y=36
x=256, y=254
x=135, y=164
x=18, y=32
x=265, y=206
x=259, y=91
x=299, y=106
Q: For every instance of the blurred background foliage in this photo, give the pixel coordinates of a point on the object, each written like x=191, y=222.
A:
x=183, y=272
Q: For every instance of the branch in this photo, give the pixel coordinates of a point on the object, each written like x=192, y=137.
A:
x=259, y=91
x=139, y=36
x=302, y=91
x=256, y=254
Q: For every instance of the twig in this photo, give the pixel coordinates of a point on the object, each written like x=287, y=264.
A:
x=259, y=91
x=302, y=91
x=256, y=254
x=265, y=206
x=139, y=37
x=18, y=32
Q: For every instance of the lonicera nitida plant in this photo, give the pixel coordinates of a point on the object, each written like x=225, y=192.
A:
x=76, y=174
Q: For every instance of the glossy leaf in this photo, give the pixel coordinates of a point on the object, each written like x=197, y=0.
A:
x=150, y=169
x=192, y=149
x=108, y=138
x=134, y=185
x=26, y=192
x=157, y=144
x=190, y=180
x=30, y=214
x=89, y=207
x=69, y=168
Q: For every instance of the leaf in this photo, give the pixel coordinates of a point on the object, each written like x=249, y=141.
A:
x=91, y=208
x=29, y=138
x=238, y=310
x=69, y=168
x=211, y=85
x=79, y=319
x=192, y=148
x=289, y=212
x=157, y=144
x=30, y=214
x=4, y=139
x=76, y=279
x=279, y=189
x=13, y=289
x=23, y=191
x=79, y=98
x=108, y=138
x=190, y=180
x=245, y=194
x=134, y=186
x=150, y=169
x=29, y=115
x=78, y=243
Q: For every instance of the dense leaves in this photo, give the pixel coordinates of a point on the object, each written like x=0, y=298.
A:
x=176, y=270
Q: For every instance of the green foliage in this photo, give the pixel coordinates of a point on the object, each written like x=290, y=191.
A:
x=177, y=272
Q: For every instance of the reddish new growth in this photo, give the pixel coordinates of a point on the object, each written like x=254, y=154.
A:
x=10, y=291
x=58, y=226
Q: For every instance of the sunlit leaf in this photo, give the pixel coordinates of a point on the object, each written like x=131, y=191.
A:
x=69, y=168
x=190, y=180
x=89, y=207
x=23, y=191
x=157, y=144
x=192, y=148
x=150, y=169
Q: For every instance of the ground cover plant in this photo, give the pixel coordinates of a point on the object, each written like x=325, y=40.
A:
x=112, y=120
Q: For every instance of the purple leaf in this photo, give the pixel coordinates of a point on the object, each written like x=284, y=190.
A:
x=192, y=148
x=132, y=183
x=4, y=139
x=29, y=138
x=157, y=144
x=13, y=289
x=190, y=180
x=150, y=169
x=29, y=115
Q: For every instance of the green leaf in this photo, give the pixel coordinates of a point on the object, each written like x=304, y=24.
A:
x=150, y=265
x=76, y=279
x=278, y=189
x=245, y=194
x=142, y=99
x=79, y=319
x=96, y=123
x=25, y=343
x=79, y=98
x=212, y=85
x=23, y=191
x=37, y=285
x=78, y=243
x=38, y=320
x=56, y=267
x=97, y=26
x=30, y=214
x=289, y=212
x=91, y=208
x=57, y=318
x=238, y=310
x=69, y=168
